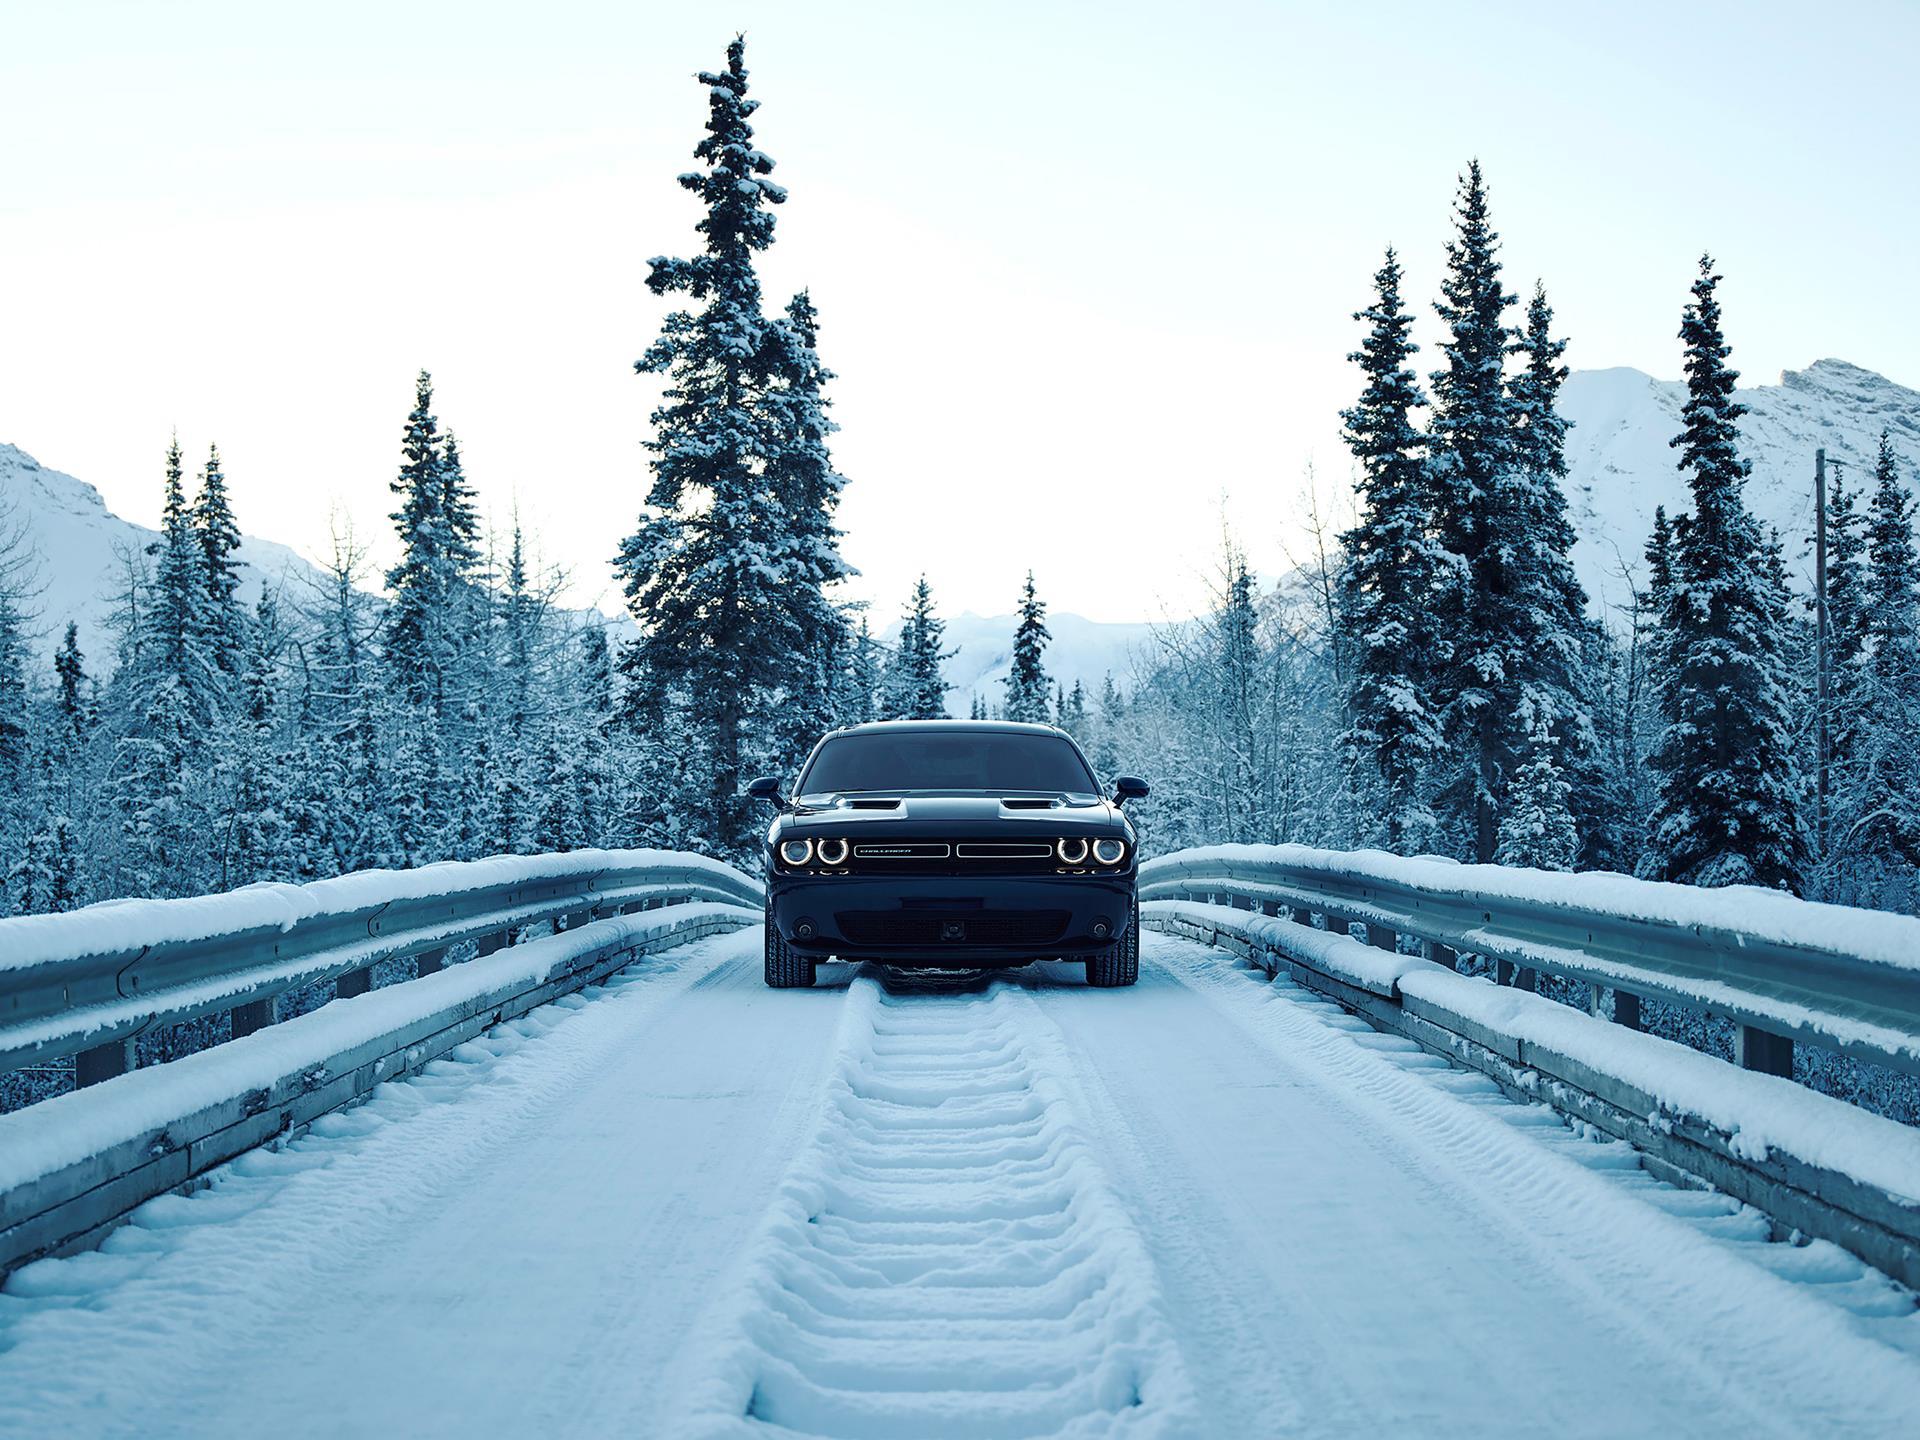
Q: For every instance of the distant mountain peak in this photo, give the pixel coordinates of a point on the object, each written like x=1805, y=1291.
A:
x=81, y=544
x=1620, y=464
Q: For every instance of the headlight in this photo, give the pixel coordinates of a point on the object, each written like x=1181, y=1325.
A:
x=1109, y=851
x=796, y=852
x=1072, y=850
x=833, y=851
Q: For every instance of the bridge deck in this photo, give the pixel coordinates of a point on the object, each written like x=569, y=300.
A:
x=1206, y=1206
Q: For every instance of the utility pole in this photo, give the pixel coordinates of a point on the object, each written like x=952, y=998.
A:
x=1820, y=649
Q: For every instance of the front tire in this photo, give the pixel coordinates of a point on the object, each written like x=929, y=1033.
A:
x=1119, y=963
x=787, y=968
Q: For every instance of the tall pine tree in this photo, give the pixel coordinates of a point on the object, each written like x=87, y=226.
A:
x=1471, y=438
x=713, y=574
x=1027, y=681
x=915, y=687
x=1393, y=574
x=417, y=582
x=1730, y=786
x=223, y=622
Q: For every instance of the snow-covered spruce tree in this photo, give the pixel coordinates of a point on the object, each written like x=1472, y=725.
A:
x=414, y=642
x=46, y=879
x=806, y=490
x=1536, y=824
x=72, y=694
x=1846, y=713
x=557, y=825
x=1073, y=711
x=219, y=535
x=176, y=613
x=1470, y=449
x=1027, y=681
x=1392, y=576
x=169, y=693
x=1730, y=787
x=1541, y=603
x=710, y=572
x=255, y=844
x=1108, y=720
x=915, y=688
x=863, y=678
x=1877, y=798
x=14, y=731
x=593, y=718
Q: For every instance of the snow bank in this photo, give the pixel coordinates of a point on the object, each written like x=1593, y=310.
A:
x=117, y=926
x=1745, y=910
x=46, y=1138
x=1367, y=967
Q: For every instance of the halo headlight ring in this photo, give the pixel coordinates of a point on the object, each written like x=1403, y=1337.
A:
x=832, y=850
x=1109, y=850
x=796, y=852
x=1072, y=849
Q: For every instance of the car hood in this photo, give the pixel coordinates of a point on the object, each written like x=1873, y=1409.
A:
x=1051, y=813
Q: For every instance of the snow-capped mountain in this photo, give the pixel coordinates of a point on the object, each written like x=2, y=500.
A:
x=1620, y=465
x=82, y=549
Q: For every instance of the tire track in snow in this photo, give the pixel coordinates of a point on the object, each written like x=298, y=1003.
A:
x=947, y=1259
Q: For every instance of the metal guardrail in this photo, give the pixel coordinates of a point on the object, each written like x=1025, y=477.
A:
x=1795, y=977
x=89, y=982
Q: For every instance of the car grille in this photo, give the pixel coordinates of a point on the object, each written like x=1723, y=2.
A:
x=912, y=927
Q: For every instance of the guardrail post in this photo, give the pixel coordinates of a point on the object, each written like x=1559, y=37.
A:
x=354, y=982
x=252, y=1016
x=1525, y=979
x=1270, y=907
x=577, y=918
x=633, y=907
x=1300, y=915
x=1757, y=1050
x=1440, y=954
x=1382, y=938
x=1626, y=1007
x=427, y=962
x=103, y=1062
x=496, y=941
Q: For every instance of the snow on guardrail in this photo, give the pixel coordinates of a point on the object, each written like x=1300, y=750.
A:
x=1780, y=967
x=117, y=926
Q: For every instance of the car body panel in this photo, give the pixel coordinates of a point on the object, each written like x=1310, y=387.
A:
x=951, y=878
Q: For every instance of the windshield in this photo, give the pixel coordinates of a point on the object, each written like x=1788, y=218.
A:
x=947, y=760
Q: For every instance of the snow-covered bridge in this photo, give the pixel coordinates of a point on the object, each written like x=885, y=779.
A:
x=1305, y=1178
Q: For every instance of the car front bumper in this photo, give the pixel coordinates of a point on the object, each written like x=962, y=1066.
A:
x=959, y=920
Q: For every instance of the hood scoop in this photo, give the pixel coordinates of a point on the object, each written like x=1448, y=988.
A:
x=1030, y=802
x=888, y=804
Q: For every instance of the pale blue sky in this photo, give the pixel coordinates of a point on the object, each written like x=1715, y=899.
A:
x=1083, y=269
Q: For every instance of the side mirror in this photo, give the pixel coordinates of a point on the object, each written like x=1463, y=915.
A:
x=767, y=788
x=1129, y=787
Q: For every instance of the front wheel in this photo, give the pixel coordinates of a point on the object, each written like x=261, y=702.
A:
x=787, y=968
x=1119, y=963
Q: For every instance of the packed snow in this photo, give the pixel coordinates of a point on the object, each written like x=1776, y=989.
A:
x=1207, y=1206
x=1762, y=1113
x=65, y=1130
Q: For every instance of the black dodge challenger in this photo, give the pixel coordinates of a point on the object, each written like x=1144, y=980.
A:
x=959, y=844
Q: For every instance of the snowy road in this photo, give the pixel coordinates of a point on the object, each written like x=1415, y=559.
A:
x=1207, y=1206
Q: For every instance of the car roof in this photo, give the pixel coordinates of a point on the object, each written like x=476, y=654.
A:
x=1009, y=727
